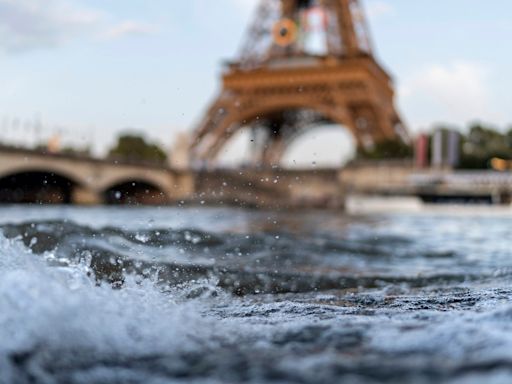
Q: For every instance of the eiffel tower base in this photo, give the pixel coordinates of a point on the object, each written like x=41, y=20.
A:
x=353, y=93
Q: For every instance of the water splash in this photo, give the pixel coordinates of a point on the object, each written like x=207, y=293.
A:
x=371, y=304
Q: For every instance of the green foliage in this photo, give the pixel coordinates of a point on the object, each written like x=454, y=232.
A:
x=479, y=145
x=68, y=150
x=73, y=151
x=483, y=143
x=41, y=147
x=386, y=149
x=135, y=148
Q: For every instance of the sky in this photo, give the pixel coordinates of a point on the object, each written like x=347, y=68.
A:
x=88, y=69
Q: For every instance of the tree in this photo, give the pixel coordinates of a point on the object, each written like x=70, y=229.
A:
x=135, y=148
x=74, y=151
x=386, y=149
x=508, y=138
x=481, y=144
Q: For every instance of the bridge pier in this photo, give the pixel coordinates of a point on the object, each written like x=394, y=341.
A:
x=271, y=189
x=85, y=196
x=182, y=186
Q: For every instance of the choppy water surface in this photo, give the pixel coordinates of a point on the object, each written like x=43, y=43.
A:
x=217, y=295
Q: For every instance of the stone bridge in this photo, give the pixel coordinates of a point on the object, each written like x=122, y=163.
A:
x=36, y=177
x=30, y=176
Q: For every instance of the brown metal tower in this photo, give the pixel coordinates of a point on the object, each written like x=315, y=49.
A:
x=304, y=63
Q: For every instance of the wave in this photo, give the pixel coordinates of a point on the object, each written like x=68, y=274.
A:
x=84, y=305
x=240, y=263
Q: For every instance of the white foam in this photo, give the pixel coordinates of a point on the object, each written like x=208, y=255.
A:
x=60, y=310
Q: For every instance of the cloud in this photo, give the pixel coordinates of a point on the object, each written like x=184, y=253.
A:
x=455, y=93
x=213, y=10
x=244, y=6
x=32, y=24
x=374, y=9
x=378, y=8
x=128, y=28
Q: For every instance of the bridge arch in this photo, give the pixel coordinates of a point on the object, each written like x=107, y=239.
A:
x=64, y=169
x=37, y=186
x=135, y=192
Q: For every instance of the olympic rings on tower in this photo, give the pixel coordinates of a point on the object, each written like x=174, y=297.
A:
x=285, y=32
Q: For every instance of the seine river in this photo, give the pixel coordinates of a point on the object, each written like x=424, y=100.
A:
x=204, y=295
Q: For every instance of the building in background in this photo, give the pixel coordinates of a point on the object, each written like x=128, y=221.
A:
x=422, y=151
x=446, y=148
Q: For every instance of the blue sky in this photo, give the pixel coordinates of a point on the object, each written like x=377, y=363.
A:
x=91, y=68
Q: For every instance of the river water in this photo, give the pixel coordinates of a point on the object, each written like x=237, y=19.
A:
x=204, y=295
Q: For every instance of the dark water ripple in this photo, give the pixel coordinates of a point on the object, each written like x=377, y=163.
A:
x=396, y=299
x=242, y=263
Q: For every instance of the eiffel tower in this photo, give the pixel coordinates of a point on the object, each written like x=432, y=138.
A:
x=304, y=64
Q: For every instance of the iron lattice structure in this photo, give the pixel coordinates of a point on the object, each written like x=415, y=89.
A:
x=282, y=85
x=344, y=35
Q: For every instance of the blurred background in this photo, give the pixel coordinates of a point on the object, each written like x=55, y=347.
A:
x=81, y=73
